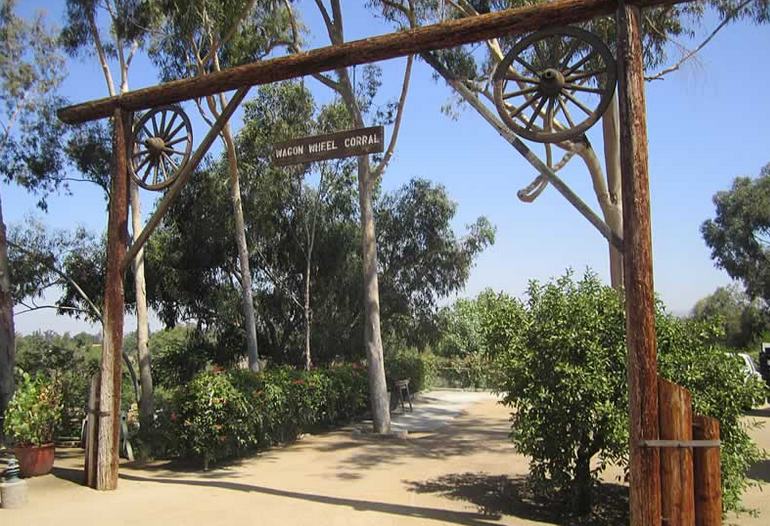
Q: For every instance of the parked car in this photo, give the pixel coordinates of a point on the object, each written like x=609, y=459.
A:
x=749, y=367
x=764, y=362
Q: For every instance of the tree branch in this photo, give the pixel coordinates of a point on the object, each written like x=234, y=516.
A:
x=727, y=19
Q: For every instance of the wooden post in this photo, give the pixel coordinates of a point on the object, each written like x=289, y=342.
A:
x=644, y=462
x=676, y=470
x=91, y=434
x=708, y=474
x=111, y=365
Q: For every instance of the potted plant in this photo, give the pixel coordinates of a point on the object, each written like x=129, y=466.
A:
x=30, y=421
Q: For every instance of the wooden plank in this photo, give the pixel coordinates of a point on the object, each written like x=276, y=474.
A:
x=676, y=471
x=708, y=474
x=348, y=143
x=91, y=433
x=644, y=463
x=111, y=365
x=392, y=45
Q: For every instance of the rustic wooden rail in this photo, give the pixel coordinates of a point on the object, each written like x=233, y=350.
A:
x=392, y=45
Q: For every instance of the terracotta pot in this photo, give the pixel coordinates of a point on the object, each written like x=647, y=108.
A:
x=35, y=460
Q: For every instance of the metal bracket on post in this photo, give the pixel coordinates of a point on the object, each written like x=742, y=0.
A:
x=680, y=443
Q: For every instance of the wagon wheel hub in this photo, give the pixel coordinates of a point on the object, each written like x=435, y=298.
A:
x=553, y=85
x=551, y=82
x=155, y=145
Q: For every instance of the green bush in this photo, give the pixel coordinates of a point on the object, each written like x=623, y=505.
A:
x=409, y=364
x=34, y=411
x=178, y=354
x=473, y=371
x=224, y=414
x=565, y=378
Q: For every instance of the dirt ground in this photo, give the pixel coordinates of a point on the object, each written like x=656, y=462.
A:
x=465, y=473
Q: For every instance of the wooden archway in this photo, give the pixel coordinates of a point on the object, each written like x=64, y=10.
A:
x=645, y=498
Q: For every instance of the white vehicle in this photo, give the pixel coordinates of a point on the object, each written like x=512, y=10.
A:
x=749, y=367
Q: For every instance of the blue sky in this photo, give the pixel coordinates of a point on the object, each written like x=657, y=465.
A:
x=707, y=124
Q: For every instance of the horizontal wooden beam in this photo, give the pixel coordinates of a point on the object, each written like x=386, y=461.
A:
x=392, y=45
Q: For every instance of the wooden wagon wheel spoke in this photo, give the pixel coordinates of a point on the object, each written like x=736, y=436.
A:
x=577, y=103
x=584, y=75
x=520, y=78
x=576, y=66
x=160, y=134
x=564, y=109
x=566, y=63
x=536, y=113
x=520, y=92
x=587, y=89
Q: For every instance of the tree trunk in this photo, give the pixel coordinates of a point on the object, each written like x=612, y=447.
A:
x=249, y=319
x=308, y=360
x=614, y=213
x=583, y=485
x=146, y=401
x=7, y=334
x=378, y=389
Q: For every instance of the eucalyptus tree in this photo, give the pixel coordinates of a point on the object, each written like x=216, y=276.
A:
x=130, y=24
x=31, y=70
x=280, y=112
x=468, y=73
x=205, y=36
x=738, y=233
x=359, y=102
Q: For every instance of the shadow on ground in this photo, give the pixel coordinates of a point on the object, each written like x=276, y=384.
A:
x=498, y=495
x=460, y=438
x=760, y=471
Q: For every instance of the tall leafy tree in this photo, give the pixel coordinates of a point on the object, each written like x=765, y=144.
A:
x=743, y=321
x=739, y=234
x=359, y=104
x=129, y=24
x=204, y=36
x=31, y=70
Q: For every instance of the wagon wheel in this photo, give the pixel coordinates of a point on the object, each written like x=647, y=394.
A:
x=555, y=84
x=162, y=145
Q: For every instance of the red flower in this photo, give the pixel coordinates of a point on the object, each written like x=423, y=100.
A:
x=298, y=381
x=173, y=416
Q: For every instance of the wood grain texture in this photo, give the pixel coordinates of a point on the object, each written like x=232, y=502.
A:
x=111, y=365
x=676, y=468
x=708, y=474
x=644, y=462
x=392, y=45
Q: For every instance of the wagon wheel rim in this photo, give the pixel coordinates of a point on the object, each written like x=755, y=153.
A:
x=162, y=143
x=555, y=84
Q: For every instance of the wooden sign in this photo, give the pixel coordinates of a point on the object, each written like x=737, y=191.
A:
x=350, y=143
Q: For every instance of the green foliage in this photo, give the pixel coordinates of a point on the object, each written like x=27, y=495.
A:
x=224, y=414
x=31, y=70
x=178, y=354
x=738, y=235
x=409, y=364
x=72, y=360
x=565, y=378
x=34, y=411
x=485, y=325
x=741, y=320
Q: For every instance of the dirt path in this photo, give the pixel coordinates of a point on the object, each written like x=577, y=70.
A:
x=463, y=473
